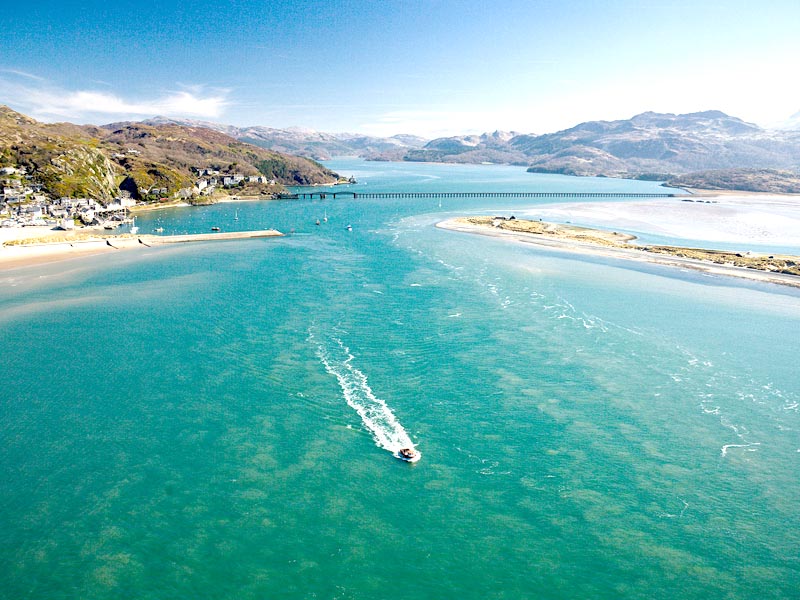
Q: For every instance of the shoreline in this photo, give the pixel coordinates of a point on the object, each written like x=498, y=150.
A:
x=40, y=251
x=600, y=245
x=144, y=208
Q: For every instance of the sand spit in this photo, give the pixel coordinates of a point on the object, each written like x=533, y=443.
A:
x=571, y=238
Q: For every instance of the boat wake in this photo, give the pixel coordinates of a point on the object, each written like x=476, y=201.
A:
x=376, y=415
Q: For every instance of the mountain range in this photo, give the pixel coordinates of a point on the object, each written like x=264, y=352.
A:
x=717, y=150
x=307, y=142
x=649, y=143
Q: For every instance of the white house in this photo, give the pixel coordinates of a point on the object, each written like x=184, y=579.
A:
x=230, y=180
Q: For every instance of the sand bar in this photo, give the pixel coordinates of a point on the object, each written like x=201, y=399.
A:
x=608, y=244
x=53, y=246
x=739, y=218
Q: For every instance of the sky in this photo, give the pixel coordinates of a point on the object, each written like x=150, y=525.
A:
x=426, y=67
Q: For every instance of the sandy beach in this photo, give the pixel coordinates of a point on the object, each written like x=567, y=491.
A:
x=28, y=246
x=614, y=245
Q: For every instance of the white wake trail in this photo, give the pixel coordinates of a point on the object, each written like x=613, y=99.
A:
x=376, y=415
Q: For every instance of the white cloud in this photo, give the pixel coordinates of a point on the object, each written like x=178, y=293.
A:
x=22, y=74
x=44, y=101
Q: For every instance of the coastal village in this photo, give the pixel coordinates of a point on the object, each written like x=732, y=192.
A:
x=24, y=202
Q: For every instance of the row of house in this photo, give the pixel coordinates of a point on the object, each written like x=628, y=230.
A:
x=44, y=212
x=205, y=185
x=23, y=202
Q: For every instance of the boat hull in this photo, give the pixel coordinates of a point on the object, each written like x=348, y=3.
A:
x=408, y=459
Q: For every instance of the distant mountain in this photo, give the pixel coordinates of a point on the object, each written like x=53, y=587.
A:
x=84, y=160
x=489, y=147
x=649, y=144
x=748, y=180
x=308, y=142
x=660, y=143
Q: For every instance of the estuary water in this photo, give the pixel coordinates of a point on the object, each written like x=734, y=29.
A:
x=217, y=420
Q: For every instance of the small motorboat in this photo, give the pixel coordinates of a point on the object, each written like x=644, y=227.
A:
x=408, y=455
x=349, y=228
x=215, y=229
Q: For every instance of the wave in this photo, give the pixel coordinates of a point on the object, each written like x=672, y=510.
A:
x=376, y=415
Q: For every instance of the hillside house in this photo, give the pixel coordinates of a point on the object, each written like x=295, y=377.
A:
x=203, y=171
x=74, y=205
x=231, y=180
x=33, y=212
x=58, y=212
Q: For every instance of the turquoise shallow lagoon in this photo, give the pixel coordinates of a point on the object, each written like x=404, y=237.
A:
x=216, y=420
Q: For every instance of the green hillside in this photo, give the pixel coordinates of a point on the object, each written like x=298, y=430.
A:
x=84, y=160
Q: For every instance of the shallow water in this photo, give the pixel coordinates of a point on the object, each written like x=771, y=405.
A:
x=216, y=420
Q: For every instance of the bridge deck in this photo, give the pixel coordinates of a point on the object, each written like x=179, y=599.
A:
x=323, y=194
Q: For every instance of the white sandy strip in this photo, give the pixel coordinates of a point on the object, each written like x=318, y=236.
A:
x=38, y=253
x=8, y=234
x=623, y=253
x=741, y=219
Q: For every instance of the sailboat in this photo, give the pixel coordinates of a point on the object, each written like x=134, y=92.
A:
x=236, y=215
x=325, y=218
x=134, y=228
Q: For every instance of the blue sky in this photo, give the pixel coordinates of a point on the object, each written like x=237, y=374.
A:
x=428, y=67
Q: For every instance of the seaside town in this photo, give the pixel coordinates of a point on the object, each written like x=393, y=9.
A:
x=24, y=202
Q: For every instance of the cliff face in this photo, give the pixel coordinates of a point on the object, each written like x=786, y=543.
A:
x=80, y=170
x=73, y=160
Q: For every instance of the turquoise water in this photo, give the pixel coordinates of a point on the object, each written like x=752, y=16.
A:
x=218, y=420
